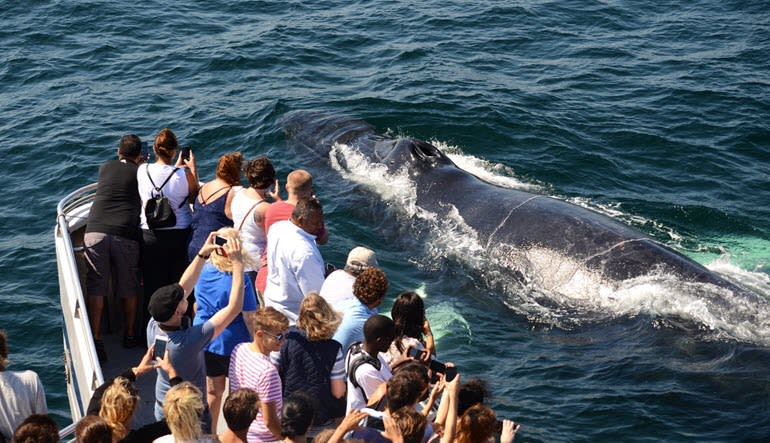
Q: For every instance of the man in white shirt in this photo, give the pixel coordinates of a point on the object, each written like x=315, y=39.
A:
x=365, y=365
x=21, y=395
x=295, y=266
x=338, y=286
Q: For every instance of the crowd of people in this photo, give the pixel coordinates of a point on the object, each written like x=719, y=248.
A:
x=236, y=289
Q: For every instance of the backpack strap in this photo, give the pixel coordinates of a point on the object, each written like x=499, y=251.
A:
x=356, y=358
x=158, y=188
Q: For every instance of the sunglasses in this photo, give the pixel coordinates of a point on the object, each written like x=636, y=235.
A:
x=280, y=336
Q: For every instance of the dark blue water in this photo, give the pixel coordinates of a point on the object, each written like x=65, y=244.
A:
x=657, y=113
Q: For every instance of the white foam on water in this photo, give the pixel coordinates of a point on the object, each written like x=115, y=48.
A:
x=495, y=173
x=548, y=287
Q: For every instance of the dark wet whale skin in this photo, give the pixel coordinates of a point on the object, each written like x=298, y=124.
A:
x=502, y=215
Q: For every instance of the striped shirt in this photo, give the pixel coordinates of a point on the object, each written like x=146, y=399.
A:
x=249, y=369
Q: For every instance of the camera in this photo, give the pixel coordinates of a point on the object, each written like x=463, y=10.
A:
x=220, y=240
x=436, y=367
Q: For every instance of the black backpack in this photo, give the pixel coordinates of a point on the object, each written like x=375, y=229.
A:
x=158, y=210
x=355, y=359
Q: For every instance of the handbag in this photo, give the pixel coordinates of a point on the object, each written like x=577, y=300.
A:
x=158, y=210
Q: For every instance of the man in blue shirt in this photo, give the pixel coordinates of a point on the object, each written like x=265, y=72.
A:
x=370, y=288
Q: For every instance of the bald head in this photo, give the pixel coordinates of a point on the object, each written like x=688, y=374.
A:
x=299, y=184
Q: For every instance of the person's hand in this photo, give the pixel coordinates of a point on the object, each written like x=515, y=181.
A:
x=438, y=387
x=392, y=432
x=145, y=365
x=275, y=194
x=165, y=364
x=509, y=431
x=351, y=421
x=209, y=246
x=233, y=249
x=189, y=163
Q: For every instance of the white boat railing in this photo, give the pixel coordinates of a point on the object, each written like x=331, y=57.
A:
x=82, y=369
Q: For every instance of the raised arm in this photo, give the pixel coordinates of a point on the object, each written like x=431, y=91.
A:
x=350, y=422
x=452, y=388
x=221, y=319
x=193, y=271
x=191, y=172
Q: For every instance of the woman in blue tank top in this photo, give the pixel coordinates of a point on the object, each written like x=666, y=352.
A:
x=211, y=209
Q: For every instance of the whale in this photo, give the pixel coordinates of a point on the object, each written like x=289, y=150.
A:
x=517, y=219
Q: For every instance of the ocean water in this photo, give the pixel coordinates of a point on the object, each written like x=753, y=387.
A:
x=655, y=113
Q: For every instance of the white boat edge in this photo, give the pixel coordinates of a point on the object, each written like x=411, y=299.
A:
x=82, y=370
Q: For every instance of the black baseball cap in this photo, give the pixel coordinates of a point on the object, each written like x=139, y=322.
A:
x=164, y=302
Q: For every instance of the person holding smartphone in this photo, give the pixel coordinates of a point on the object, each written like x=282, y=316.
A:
x=212, y=292
x=186, y=342
x=412, y=329
x=164, y=253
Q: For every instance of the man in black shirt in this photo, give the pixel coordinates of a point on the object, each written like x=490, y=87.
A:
x=112, y=240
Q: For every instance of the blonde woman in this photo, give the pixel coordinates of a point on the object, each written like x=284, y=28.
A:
x=183, y=409
x=212, y=292
x=116, y=401
x=311, y=362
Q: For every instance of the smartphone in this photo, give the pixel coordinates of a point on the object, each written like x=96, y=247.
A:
x=451, y=373
x=437, y=366
x=146, y=151
x=160, y=346
x=415, y=353
x=186, y=152
x=220, y=240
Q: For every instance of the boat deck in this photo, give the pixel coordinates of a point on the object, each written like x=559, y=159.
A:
x=83, y=372
x=119, y=359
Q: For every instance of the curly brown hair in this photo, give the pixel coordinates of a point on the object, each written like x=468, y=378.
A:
x=371, y=286
x=259, y=172
x=166, y=144
x=229, y=168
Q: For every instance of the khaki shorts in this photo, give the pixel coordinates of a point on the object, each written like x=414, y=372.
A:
x=107, y=252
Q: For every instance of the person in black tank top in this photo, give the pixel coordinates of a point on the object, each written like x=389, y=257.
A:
x=112, y=240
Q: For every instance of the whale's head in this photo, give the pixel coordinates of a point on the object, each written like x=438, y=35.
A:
x=410, y=152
